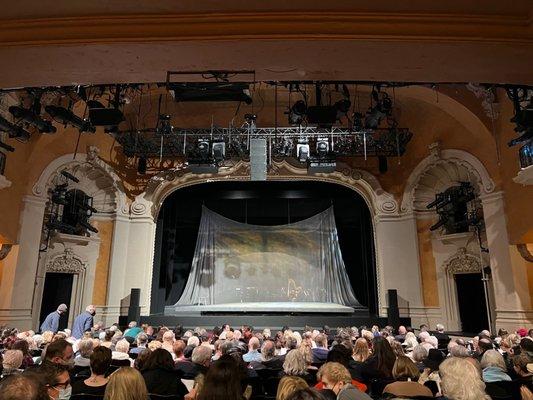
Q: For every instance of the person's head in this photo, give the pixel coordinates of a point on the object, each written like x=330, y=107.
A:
x=440, y=328
x=22, y=387
x=340, y=354
x=419, y=353
x=423, y=328
x=85, y=347
x=22, y=345
x=91, y=309
x=459, y=351
x=168, y=337
x=132, y=324
x=288, y=385
x=193, y=341
x=423, y=336
x=402, y=330
x=142, y=358
x=268, y=350
x=155, y=344
x=405, y=369
x=410, y=341
x=62, y=308
x=159, y=359
x=201, y=355
x=484, y=344
x=12, y=359
x=384, y=354
x=109, y=335
x=493, y=358
x=56, y=379
x=178, y=347
x=223, y=380
x=433, y=341
x=142, y=339
x=295, y=363
x=59, y=352
x=126, y=383
x=253, y=343
x=100, y=360
x=321, y=340
x=361, y=350
x=520, y=363
x=122, y=346
x=334, y=376
x=461, y=380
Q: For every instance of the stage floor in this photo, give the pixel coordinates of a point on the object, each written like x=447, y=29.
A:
x=261, y=307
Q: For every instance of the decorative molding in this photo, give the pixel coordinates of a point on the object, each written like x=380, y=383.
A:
x=4, y=250
x=279, y=24
x=4, y=183
x=66, y=262
x=525, y=176
x=522, y=249
x=163, y=184
x=440, y=170
x=462, y=263
x=488, y=99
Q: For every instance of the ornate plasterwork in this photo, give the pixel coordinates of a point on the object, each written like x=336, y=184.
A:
x=462, y=263
x=66, y=262
x=97, y=179
x=440, y=170
x=488, y=99
x=4, y=250
x=160, y=186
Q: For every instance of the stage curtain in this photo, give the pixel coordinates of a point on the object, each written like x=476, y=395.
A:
x=236, y=263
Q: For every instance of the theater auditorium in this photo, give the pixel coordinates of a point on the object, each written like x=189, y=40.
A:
x=266, y=200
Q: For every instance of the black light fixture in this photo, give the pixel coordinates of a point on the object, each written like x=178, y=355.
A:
x=67, y=117
x=322, y=147
x=218, y=150
x=6, y=147
x=297, y=113
x=32, y=118
x=99, y=115
x=302, y=150
x=357, y=121
x=142, y=164
x=14, y=131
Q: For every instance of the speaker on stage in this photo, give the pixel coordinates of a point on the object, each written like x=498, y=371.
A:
x=393, y=313
x=134, y=311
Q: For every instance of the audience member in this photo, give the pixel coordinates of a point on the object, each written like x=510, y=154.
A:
x=159, y=375
x=121, y=352
x=336, y=377
x=288, y=385
x=22, y=387
x=320, y=352
x=223, y=381
x=51, y=322
x=380, y=363
x=406, y=374
x=11, y=362
x=83, y=322
x=141, y=341
x=253, y=354
x=60, y=352
x=132, y=331
x=24, y=346
x=100, y=360
x=85, y=349
x=493, y=367
x=460, y=380
x=126, y=384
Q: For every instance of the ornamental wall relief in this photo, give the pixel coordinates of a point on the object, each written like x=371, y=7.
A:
x=66, y=262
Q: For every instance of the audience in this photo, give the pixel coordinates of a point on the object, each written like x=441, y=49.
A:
x=22, y=387
x=126, y=384
x=288, y=385
x=461, y=380
x=406, y=375
x=336, y=377
x=223, y=381
x=159, y=375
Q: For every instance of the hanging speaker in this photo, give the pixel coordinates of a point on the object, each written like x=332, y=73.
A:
x=383, y=165
x=258, y=160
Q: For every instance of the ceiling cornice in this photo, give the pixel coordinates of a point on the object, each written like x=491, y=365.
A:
x=303, y=25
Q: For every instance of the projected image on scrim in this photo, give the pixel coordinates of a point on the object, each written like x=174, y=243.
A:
x=280, y=264
x=241, y=263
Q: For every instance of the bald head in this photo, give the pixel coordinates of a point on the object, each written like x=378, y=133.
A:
x=253, y=344
x=91, y=309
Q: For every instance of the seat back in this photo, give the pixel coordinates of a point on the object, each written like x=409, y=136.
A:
x=163, y=397
x=86, y=396
x=270, y=385
x=502, y=390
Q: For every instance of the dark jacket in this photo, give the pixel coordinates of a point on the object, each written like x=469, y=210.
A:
x=164, y=382
x=189, y=370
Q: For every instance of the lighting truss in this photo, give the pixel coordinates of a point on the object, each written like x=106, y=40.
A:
x=281, y=141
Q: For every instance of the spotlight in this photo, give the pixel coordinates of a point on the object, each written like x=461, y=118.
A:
x=67, y=117
x=373, y=118
x=70, y=176
x=164, y=127
x=357, y=124
x=88, y=226
x=322, y=147
x=14, y=131
x=6, y=147
x=102, y=116
x=250, y=118
x=297, y=113
x=203, y=147
x=302, y=151
x=33, y=119
x=443, y=220
x=525, y=154
x=342, y=107
x=142, y=165
x=219, y=151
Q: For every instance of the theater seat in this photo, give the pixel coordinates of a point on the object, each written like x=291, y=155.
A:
x=164, y=397
x=502, y=390
x=84, y=396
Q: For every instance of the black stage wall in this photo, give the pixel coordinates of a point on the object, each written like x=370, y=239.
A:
x=260, y=203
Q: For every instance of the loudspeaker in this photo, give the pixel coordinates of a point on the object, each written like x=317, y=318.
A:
x=393, y=313
x=134, y=311
x=258, y=159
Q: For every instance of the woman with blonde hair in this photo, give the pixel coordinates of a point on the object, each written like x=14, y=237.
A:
x=126, y=383
x=295, y=364
x=288, y=385
x=461, y=380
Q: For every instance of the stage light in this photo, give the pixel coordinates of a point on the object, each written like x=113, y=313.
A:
x=302, y=151
x=342, y=107
x=203, y=147
x=67, y=117
x=14, y=131
x=357, y=124
x=68, y=175
x=6, y=147
x=141, y=165
x=164, y=127
x=443, y=220
x=322, y=147
x=33, y=119
x=373, y=118
x=525, y=155
x=297, y=113
x=99, y=115
x=219, y=150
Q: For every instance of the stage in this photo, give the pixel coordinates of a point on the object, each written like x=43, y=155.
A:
x=260, y=308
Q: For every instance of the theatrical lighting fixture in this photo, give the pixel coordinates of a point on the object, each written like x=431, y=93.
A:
x=525, y=154
x=322, y=147
x=373, y=118
x=218, y=149
x=452, y=206
x=342, y=107
x=357, y=122
x=33, y=119
x=297, y=113
x=67, y=117
x=211, y=91
x=6, y=147
x=68, y=175
x=250, y=118
x=203, y=147
x=142, y=165
x=164, y=127
x=522, y=98
x=99, y=115
x=14, y=131
x=302, y=150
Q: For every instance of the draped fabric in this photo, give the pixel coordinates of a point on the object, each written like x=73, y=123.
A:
x=236, y=262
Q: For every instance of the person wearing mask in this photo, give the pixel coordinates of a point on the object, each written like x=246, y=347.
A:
x=59, y=352
x=51, y=322
x=55, y=378
x=83, y=322
x=336, y=377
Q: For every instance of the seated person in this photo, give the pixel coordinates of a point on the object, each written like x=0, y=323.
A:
x=159, y=375
x=199, y=364
x=406, y=374
x=100, y=360
x=336, y=377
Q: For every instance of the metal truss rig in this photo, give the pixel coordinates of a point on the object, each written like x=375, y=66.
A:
x=281, y=141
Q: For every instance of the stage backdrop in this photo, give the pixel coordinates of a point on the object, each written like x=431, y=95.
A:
x=237, y=262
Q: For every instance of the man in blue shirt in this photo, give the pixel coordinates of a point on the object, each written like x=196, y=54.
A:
x=83, y=322
x=51, y=322
x=253, y=354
